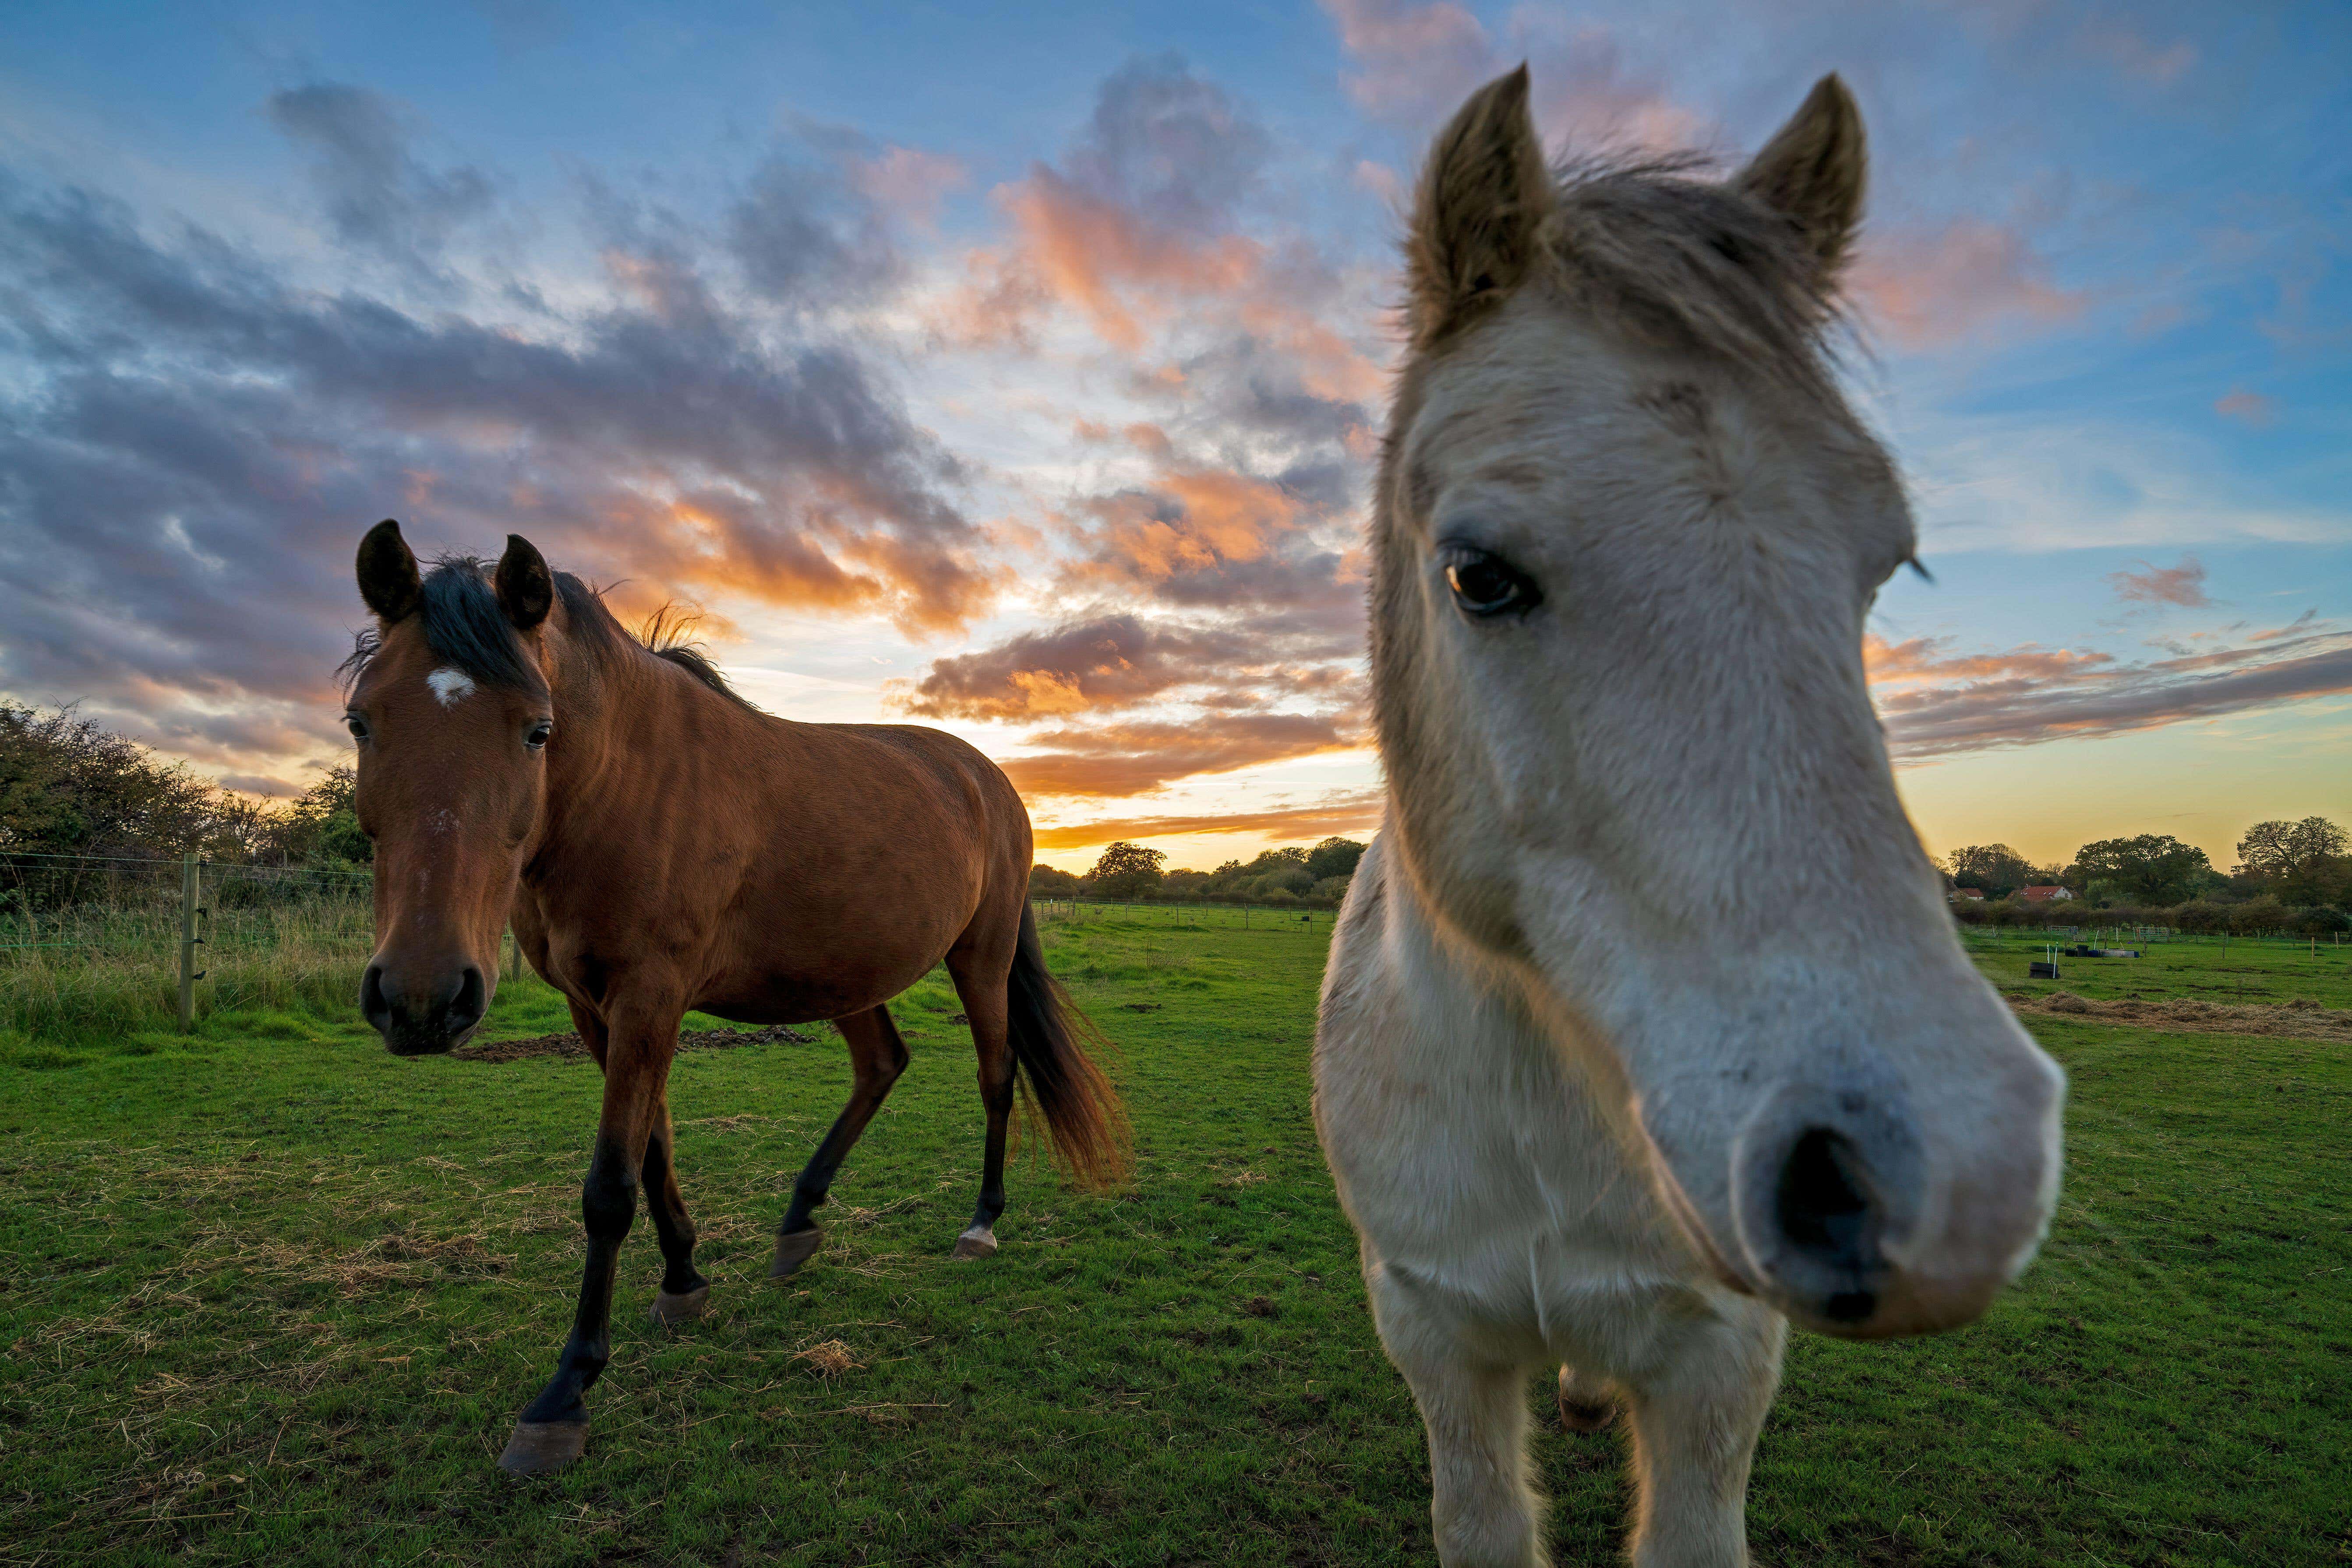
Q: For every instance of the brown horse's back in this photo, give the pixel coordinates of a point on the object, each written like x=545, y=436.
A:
x=878, y=848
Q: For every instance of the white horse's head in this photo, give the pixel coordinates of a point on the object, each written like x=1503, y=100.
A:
x=1627, y=533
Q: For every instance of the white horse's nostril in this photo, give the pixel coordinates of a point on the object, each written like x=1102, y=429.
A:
x=1828, y=1185
x=1828, y=1216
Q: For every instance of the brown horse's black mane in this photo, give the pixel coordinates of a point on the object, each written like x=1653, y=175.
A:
x=465, y=627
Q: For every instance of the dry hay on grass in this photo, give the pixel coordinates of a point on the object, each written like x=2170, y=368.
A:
x=2299, y=1019
x=569, y=1043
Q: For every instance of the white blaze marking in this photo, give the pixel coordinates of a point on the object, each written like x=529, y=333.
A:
x=449, y=685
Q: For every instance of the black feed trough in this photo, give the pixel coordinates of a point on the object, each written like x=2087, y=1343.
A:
x=2039, y=971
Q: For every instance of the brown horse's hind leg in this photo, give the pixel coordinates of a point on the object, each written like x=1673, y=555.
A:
x=684, y=1290
x=981, y=988
x=877, y=1056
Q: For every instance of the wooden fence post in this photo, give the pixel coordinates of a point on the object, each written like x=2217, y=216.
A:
x=189, y=975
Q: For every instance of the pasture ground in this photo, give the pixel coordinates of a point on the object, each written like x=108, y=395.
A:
x=272, y=1295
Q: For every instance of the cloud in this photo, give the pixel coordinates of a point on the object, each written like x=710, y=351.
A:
x=1129, y=759
x=1343, y=812
x=262, y=784
x=1167, y=147
x=2183, y=584
x=2031, y=696
x=1138, y=232
x=188, y=440
x=2251, y=406
x=2132, y=52
x=1923, y=658
x=377, y=195
x=1928, y=289
x=807, y=235
x=1098, y=665
x=908, y=181
x=1415, y=64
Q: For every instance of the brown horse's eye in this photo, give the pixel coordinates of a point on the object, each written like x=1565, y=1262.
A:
x=356, y=725
x=538, y=734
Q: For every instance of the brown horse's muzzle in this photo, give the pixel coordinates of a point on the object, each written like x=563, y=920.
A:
x=424, y=1013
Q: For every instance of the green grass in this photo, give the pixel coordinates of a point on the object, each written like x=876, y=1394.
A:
x=274, y=1295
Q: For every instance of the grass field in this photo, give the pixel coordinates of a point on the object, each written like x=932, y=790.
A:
x=272, y=1295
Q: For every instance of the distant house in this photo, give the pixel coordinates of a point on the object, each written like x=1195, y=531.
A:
x=1965, y=895
x=2044, y=895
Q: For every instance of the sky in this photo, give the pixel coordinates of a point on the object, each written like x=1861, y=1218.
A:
x=1020, y=370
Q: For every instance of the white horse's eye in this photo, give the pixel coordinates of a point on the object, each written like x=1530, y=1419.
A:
x=1485, y=586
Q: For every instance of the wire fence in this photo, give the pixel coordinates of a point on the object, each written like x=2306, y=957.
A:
x=138, y=943
x=127, y=943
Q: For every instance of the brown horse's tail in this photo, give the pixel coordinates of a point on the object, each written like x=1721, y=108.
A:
x=1083, y=1116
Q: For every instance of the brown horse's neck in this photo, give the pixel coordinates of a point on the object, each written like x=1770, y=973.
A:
x=595, y=690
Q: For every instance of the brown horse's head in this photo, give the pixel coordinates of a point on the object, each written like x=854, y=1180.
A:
x=451, y=708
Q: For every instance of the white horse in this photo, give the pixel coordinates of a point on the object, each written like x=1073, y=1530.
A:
x=1645, y=1028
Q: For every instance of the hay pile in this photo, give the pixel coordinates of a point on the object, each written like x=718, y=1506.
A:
x=2302, y=1018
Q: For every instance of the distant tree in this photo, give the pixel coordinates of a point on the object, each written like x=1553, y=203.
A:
x=321, y=828
x=1334, y=857
x=1125, y=870
x=67, y=785
x=2151, y=869
x=1994, y=869
x=2302, y=862
x=1050, y=882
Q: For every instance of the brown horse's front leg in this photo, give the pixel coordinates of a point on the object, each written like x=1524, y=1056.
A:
x=553, y=1429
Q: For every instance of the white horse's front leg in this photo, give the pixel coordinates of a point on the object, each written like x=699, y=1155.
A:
x=1695, y=1415
x=1476, y=1409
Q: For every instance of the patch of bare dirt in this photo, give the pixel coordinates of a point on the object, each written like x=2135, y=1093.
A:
x=2300, y=1019
x=568, y=1044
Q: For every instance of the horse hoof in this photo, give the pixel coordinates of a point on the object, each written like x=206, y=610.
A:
x=1578, y=1413
x=668, y=1309
x=793, y=1249
x=543, y=1447
x=978, y=1242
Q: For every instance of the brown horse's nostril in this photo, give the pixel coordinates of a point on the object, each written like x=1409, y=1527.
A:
x=472, y=999
x=373, y=1007
x=1827, y=1215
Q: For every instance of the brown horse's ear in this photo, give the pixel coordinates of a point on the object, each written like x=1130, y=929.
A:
x=387, y=571
x=526, y=587
x=1813, y=170
x=1484, y=194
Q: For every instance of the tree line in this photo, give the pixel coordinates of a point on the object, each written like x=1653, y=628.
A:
x=1127, y=872
x=71, y=786
x=2294, y=876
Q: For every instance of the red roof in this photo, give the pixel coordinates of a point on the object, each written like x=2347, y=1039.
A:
x=2045, y=892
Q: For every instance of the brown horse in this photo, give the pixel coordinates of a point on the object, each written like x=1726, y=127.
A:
x=660, y=845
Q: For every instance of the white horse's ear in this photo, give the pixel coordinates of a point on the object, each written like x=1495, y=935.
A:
x=1813, y=170
x=1484, y=194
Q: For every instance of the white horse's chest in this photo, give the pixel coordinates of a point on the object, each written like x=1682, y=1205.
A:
x=1475, y=1162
